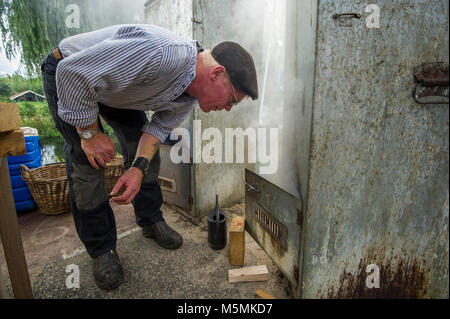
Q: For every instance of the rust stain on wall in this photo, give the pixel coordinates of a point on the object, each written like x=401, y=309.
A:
x=401, y=277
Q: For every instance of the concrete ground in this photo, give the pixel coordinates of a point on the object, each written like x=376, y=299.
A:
x=192, y=271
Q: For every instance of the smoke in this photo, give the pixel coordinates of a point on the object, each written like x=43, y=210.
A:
x=120, y=12
x=87, y=15
x=269, y=37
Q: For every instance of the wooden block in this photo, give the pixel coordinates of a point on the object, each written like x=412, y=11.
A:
x=263, y=294
x=9, y=117
x=12, y=143
x=3, y=293
x=256, y=273
x=236, y=241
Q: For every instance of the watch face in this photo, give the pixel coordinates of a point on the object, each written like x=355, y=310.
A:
x=86, y=135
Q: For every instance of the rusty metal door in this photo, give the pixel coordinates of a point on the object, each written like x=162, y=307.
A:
x=378, y=191
x=274, y=219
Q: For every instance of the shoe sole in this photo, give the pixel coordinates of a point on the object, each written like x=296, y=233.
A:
x=107, y=287
x=111, y=286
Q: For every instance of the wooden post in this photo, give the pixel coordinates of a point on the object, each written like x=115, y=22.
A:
x=10, y=234
x=12, y=142
x=236, y=241
x=261, y=293
x=10, y=118
x=3, y=294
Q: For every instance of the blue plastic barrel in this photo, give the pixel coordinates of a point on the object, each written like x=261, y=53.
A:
x=32, y=159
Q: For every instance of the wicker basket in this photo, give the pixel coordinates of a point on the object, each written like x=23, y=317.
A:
x=49, y=187
x=113, y=171
x=49, y=184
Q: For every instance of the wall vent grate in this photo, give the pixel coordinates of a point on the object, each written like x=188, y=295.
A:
x=167, y=184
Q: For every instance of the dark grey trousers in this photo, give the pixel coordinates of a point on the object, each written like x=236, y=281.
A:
x=93, y=216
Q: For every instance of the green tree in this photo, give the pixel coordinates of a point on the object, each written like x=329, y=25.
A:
x=16, y=83
x=35, y=85
x=5, y=87
x=35, y=27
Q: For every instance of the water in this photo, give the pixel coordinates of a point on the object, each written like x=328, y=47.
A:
x=52, y=150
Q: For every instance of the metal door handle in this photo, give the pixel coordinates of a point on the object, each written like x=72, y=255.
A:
x=251, y=188
x=431, y=80
x=356, y=15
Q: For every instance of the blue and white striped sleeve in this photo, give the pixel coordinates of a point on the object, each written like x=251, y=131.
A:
x=164, y=122
x=112, y=65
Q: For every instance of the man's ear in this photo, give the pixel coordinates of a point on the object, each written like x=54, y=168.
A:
x=217, y=72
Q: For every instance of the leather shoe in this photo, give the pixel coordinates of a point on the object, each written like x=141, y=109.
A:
x=164, y=235
x=108, y=272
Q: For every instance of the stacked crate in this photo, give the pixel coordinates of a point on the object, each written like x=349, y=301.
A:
x=32, y=159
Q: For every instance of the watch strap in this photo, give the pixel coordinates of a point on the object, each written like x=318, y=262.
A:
x=142, y=163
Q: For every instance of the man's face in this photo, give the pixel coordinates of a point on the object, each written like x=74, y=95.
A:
x=220, y=95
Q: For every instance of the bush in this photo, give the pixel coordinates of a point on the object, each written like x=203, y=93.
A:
x=37, y=115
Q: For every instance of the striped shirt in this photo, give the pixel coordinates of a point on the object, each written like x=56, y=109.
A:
x=139, y=67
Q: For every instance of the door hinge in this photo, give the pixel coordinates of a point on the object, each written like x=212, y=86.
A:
x=296, y=273
x=299, y=217
x=431, y=81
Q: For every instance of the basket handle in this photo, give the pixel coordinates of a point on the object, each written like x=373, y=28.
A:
x=26, y=173
x=58, y=163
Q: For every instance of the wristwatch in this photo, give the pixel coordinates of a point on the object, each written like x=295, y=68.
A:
x=88, y=134
x=142, y=163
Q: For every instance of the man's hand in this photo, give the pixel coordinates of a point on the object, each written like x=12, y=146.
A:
x=131, y=181
x=99, y=150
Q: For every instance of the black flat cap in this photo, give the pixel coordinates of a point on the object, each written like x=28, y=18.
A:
x=240, y=67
